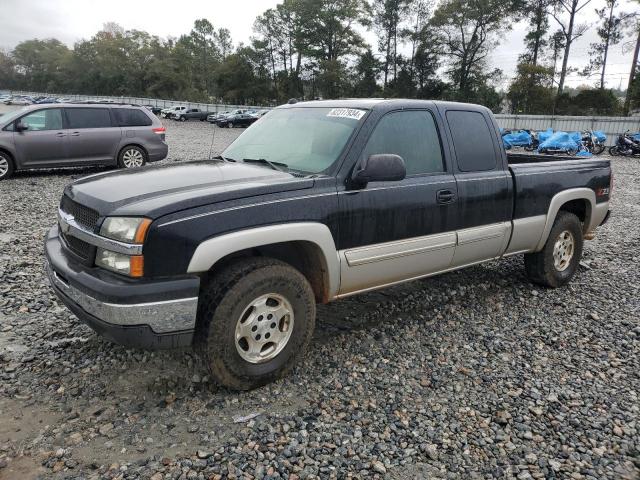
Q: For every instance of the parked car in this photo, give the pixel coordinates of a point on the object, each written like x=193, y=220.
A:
x=237, y=120
x=42, y=136
x=213, y=117
x=221, y=120
x=153, y=109
x=19, y=100
x=43, y=100
x=168, y=112
x=190, y=114
x=316, y=202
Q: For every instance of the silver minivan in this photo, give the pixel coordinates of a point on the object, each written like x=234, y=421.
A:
x=67, y=135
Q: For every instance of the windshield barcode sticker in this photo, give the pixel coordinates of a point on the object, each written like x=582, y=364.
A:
x=346, y=113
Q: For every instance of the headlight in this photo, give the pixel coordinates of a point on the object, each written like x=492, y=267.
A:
x=132, y=266
x=125, y=229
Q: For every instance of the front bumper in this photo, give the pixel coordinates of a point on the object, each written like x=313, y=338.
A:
x=135, y=313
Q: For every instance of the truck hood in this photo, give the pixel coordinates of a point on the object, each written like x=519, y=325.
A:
x=156, y=191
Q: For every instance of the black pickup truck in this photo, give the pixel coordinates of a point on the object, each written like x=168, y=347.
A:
x=317, y=201
x=190, y=114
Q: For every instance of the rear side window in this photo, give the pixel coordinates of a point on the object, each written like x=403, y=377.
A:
x=88, y=117
x=131, y=117
x=413, y=135
x=472, y=141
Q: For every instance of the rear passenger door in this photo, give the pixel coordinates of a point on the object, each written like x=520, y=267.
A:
x=93, y=136
x=394, y=231
x=485, y=199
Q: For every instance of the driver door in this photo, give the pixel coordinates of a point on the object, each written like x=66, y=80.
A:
x=394, y=231
x=44, y=142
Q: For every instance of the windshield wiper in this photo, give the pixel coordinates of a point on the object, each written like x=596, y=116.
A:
x=220, y=157
x=283, y=167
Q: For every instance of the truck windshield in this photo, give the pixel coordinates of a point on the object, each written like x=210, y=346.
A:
x=306, y=139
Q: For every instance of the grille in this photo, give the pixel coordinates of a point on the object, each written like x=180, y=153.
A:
x=85, y=216
x=81, y=248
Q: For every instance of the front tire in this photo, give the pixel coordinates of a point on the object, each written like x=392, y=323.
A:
x=557, y=262
x=255, y=320
x=613, y=151
x=183, y=118
x=6, y=166
x=132, y=157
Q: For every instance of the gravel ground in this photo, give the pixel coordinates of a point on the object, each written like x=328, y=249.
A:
x=473, y=374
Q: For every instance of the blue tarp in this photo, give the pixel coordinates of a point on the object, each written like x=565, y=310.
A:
x=576, y=137
x=517, y=139
x=544, y=136
x=600, y=136
x=560, y=141
x=636, y=136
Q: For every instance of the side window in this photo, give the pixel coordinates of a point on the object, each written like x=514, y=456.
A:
x=50, y=119
x=472, y=141
x=88, y=117
x=131, y=117
x=411, y=134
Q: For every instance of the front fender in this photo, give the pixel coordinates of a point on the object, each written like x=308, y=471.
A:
x=209, y=252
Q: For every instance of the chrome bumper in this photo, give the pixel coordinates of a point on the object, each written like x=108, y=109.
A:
x=162, y=317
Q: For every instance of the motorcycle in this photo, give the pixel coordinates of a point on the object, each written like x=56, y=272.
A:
x=594, y=141
x=625, y=146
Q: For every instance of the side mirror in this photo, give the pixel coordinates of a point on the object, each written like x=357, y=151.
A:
x=21, y=127
x=384, y=167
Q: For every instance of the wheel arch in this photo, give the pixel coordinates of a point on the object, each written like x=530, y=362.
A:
x=579, y=201
x=132, y=144
x=12, y=157
x=307, y=246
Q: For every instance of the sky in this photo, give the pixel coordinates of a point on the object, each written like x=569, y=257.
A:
x=73, y=20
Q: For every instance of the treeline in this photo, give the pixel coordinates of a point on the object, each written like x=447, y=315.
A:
x=314, y=49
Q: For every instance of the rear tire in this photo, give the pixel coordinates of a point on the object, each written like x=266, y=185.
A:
x=247, y=341
x=598, y=149
x=132, y=157
x=6, y=166
x=557, y=262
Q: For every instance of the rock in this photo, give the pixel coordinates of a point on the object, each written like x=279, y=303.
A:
x=378, y=467
x=203, y=454
x=74, y=438
x=106, y=428
x=502, y=417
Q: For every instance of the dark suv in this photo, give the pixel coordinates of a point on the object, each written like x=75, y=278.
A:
x=44, y=136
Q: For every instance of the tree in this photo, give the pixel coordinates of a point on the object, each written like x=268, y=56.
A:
x=537, y=12
x=419, y=11
x=331, y=35
x=633, y=87
x=42, y=64
x=610, y=32
x=367, y=69
x=469, y=29
x=388, y=15
x=569, y=29
x=528, y=93
x=7, y=70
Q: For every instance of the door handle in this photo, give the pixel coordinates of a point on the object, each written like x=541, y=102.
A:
x=75, y=134
x=445, y=196
x=61, y=134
